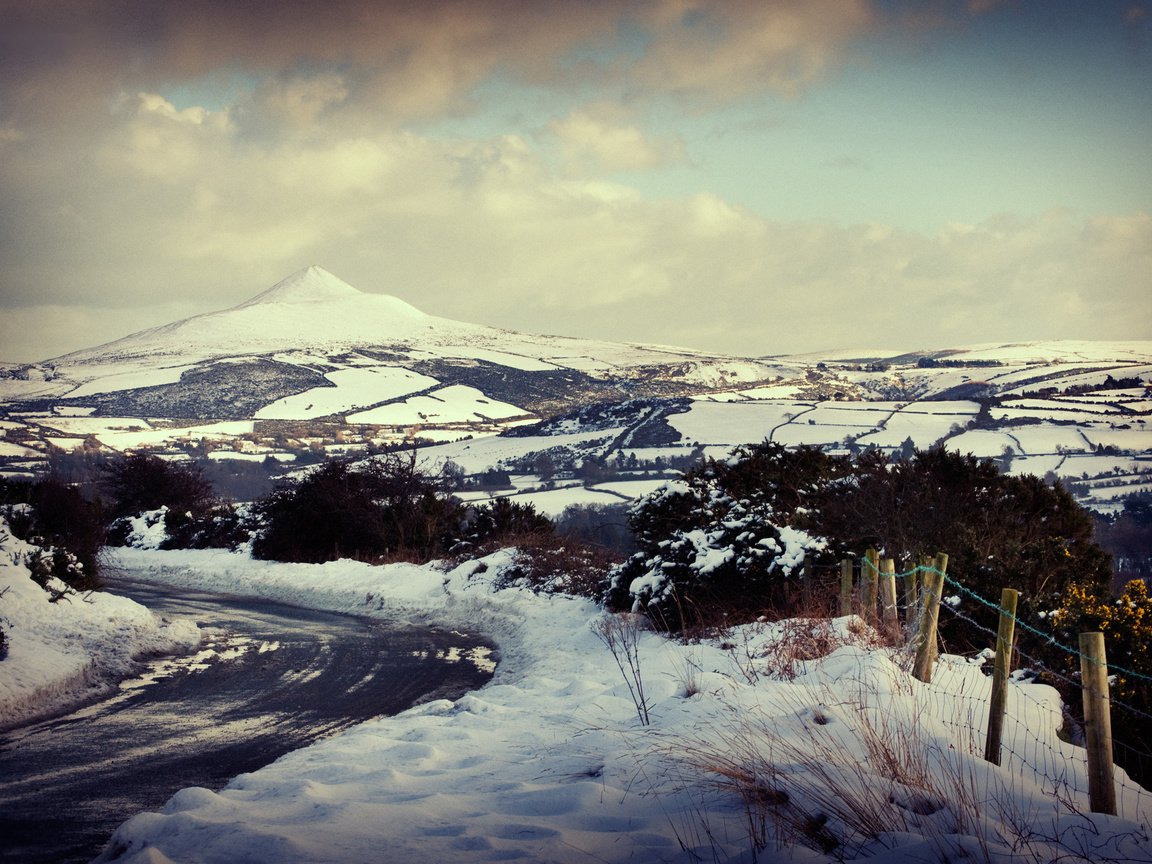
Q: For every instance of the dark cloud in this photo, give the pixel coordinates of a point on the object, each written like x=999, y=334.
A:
x=128, y=202
x=415, y=59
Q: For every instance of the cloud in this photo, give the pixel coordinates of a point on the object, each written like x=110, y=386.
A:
x=120, y=191
x=182, y=204
x=599, y=138
x=722, y=49
x=408, y=60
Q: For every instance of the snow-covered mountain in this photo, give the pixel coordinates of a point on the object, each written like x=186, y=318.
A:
x=313, y=331
x=313, y=364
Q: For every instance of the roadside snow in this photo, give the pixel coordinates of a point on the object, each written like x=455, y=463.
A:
x=73, y=650
x=549, y=762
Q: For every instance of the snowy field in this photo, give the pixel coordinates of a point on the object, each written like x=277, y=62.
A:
x=479, y=454
x=736, y=422
x=550, y=762
x=453, y=404
x=131, y=380
x=351, y=389
x=552, y=502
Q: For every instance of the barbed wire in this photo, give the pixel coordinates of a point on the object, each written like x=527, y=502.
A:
x=1031, y=754
x=1037, y=754
x=1047, y=669
x=1049, y=638
x=1026, y=747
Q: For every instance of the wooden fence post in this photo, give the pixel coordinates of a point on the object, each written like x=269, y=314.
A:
x=869, y=584
x=939, y=564
x=929, y=616
x=890, y=616
x=996, y=706
x=912, y=593
x=846, y=586
x=1097, y=723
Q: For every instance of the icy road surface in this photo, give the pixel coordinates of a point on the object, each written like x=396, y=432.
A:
x=267, y=679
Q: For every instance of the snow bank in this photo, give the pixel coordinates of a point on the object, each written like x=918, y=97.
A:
x=72, y=650
x=549, y=762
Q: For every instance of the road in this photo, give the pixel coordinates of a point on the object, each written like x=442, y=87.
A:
x=268, y=679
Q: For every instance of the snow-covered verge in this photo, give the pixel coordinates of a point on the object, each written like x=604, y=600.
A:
x=839, y=757
x=71, y=650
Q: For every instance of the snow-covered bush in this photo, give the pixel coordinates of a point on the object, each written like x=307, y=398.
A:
x=729, y=536
x=66, y=529
x=152, y=496
x=703, y=552
x=220, y=526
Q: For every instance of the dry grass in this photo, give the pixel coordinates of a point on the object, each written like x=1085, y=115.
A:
x=855, y=775
x=778, y=649
x=549, y=564
x=620, y=632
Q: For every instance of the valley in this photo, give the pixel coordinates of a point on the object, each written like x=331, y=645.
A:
x=313, y=368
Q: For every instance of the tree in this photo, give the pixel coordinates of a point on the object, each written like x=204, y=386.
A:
x=724, y=533
x=999, y=531
x=194, y=517
x=143, y=482
x=503, y=520
x=544, y=465
x=382, y=508
x=604, y=525
x=1128, y=536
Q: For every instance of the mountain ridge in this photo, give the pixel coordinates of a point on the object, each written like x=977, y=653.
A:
x=314, y=366
x=312, y=346
x=321, y=332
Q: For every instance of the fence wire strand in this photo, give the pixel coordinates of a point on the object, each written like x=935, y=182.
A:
x=1025, y=749
x=1049, y=638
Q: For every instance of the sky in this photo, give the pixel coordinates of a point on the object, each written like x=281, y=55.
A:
x=753, y=177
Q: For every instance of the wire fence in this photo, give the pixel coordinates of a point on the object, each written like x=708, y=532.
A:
x=1030, y=749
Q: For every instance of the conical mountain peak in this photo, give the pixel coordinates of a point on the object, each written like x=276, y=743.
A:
x=316, y=286
x=312, y=308
x=311, y=285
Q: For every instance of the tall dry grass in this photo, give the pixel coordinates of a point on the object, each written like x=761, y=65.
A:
x=848, y=773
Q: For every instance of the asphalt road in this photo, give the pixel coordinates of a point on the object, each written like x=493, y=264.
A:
x=269, y=679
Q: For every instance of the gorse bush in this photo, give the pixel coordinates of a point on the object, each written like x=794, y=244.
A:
x=1126, y=622
x=501, y=520
x=732, y=536
x=384, y=508
x=550, y=564
x=218, y=526
x=142, y=482
x=69, y=528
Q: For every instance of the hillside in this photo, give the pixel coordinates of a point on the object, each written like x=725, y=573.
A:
x=314, y=332
x=314, y=364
